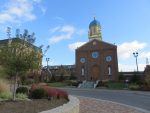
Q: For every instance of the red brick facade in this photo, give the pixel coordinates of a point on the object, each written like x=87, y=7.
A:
x=147, y=70
x=97, y=60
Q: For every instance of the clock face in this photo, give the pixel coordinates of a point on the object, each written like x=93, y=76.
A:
x=95, y=54
x=108, y=58
x=82, y=60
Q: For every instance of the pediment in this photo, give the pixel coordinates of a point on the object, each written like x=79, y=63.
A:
x=96, y=44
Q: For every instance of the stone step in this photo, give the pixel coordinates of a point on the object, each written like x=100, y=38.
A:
x=87, y=84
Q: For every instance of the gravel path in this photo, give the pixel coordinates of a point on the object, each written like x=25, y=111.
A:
x=90, y=105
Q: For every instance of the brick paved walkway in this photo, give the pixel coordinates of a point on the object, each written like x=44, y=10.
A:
x=88, y=105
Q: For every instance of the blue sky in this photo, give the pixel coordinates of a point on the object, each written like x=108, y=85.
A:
x=64, y=25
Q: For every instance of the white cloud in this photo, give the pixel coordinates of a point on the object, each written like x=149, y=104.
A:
x=75, y=45
x=126, y=49
x=65, y=32
x=18, y=11
x=55, y=29
x=68, y=29
x=4, y=17
x=144, y=55
x=127, y=67
x=58, y=38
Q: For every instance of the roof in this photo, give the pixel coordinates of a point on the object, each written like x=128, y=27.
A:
x=60, y=66
x=94, y=23
x=98, y=41
x=5, y=41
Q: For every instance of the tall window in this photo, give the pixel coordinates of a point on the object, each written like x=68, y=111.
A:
x=109, y=70
x=82, y=71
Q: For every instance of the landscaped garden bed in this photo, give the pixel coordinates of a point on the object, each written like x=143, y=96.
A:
x=38, y=98
x=32, y=106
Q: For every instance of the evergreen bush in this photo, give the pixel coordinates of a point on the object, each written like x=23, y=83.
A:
x=23, y=90
x=38, y=93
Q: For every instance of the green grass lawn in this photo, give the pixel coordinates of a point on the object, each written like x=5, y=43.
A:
x=116, y=85
x=57, y=84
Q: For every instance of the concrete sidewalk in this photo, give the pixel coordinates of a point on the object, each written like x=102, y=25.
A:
x=91, y=105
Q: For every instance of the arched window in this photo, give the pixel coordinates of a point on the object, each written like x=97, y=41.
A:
x=82, y=71
x=109, y=70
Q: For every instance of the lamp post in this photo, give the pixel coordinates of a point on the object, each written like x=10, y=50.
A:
x=135, y=54
x=47, y=60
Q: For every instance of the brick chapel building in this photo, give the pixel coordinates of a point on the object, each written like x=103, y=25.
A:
x=96, y=60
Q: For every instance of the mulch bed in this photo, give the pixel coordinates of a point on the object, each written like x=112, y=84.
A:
x=33, y=106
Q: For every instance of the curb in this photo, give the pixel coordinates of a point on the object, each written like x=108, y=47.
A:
x=144, y=93
x=71, y=107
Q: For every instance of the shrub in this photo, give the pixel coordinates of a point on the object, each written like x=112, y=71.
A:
x=116, y=85
x=21, y=96
x=102, y=84
x=62, y=94
x=135, y=79
x=51, y=92
x=6, y=96
x=72, y=77
x=23, y=90
x=4, y=86
x=134, y=87
x=57, y=93
x=38, y=93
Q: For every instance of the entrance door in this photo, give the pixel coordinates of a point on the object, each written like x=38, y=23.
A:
x=95, y=72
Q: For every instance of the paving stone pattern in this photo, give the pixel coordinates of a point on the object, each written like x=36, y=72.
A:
x=88, y=105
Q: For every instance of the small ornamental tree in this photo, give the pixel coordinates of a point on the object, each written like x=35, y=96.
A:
x=20, y=56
